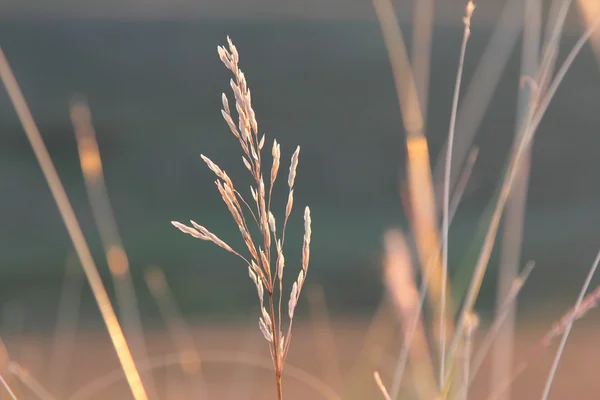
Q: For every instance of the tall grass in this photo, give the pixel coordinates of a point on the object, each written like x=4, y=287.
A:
x=266, y=261
x=438, y=349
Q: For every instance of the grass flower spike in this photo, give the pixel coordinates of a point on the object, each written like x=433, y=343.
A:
x=265, y=259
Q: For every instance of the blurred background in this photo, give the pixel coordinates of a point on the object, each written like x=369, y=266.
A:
x=320, y=78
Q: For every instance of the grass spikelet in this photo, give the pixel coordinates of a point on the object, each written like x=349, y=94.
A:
x=266, y=277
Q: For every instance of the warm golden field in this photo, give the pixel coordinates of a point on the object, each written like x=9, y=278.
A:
x=93, y=357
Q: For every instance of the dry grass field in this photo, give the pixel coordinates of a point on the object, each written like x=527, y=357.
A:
x=236, y=364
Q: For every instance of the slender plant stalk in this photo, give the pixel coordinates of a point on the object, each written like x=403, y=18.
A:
x=482, y=86
x=423, y=217
x=447, y=174
x=472, y=325
x=116, y=257
x=502, y=356
x=381, y=386
x=400, y=283
x=462, y=183
x=73, y=228
x=6, y=386
x=518, y=152
x=565, y=336
x=423, y=26
x=589, y=10
x=590, y=301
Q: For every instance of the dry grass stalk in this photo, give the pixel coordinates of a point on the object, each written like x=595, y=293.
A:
x=4, y=370
x=265, y=270
x=424, y=15
x=9, y=391
x=399, y=280
x=482, y=86
x=463, y=181
x=589, y=10
x=381, y=386
x=472, y=325
x=541, y=100
x=116, y=257
x=577, y=312
x=423, y=207
x=73, y=228
x=182, y=337
x=514, y=220
x=446, y=196
x=589, y=302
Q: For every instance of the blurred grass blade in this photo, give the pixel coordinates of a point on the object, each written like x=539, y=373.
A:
x=542, y=102
x=400, y=283
x=481, y=89
x=446, y=195
x=73, y=228
x=422, y=202
x=514, y=220
x=423, y=29
x=116, y=257
x=567, y=329
x=590, y=10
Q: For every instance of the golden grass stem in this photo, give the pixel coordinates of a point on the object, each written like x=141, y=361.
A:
x=116, y=257
x=73, y=228
x=423, y=26
x=567, y=331
x=7, y=388
x=467, y=352
x=589, y=10
x=381, y=386
x=424, y=219
x=446, y=197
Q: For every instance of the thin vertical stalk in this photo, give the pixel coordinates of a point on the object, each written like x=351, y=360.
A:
x=446, y=201
x=514, y=219
x=73, y=228
x=567, y=331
